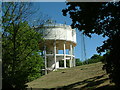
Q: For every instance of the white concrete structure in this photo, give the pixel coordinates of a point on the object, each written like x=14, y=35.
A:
x=58, y=37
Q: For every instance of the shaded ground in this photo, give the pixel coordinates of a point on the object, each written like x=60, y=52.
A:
x=86, y=77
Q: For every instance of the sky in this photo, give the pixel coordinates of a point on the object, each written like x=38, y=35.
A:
x=54, y=11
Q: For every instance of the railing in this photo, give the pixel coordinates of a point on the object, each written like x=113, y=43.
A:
x=59, y=55
x=57, y=25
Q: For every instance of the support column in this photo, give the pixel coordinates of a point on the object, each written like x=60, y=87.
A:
x=57, y=61
x=64, y=55
x=71, y=57
x=45, y=57
x=74, y=58
x=74, y=62
x=55, y=54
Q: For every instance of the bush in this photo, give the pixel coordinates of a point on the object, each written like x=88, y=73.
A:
x=78, y=62
x=94, y=59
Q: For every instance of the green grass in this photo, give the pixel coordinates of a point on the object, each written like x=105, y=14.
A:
x=89, y=76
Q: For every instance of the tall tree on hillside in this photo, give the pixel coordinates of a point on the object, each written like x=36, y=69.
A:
x=102, y=19
x=94, y=59
x=95, y=56
x=78, y=62
x=20, y=49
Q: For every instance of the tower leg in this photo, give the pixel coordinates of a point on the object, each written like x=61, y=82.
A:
x=64, y=56
x=73, y=58
x=71, y=55
x=55, y=54
x=74, y=62
x=45, y=59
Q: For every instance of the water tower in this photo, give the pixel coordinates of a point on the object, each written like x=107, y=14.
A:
x=59, y=43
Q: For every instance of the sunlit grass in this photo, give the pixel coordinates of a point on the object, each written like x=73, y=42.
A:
x=85, y=76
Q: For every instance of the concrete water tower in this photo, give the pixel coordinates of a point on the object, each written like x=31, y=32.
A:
x=58, y=38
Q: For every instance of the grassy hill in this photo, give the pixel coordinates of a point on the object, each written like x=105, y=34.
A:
x=82, y=77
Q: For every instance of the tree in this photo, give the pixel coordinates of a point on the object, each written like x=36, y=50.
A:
x=94, y=59
x=20, y=50
x=102, y=19
x=78, y=62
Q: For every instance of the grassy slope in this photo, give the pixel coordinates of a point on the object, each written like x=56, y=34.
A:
x=82, y=77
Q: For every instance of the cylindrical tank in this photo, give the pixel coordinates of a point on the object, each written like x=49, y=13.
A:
x=57, y=37
x=60, y=33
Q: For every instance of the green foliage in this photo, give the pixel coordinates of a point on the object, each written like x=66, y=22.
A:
x=21, y=59
x=78, y=62
x=35, y=64
x=22, y=63
x=61, y=63
x=94, y=59
x=102, y=19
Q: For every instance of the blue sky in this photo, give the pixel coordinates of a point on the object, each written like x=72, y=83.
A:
x=54, y=10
